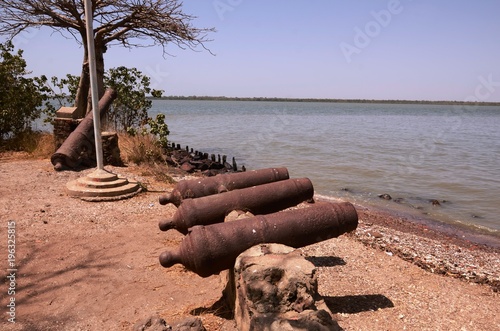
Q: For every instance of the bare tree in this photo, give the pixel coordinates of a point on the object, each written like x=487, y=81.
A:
x=135, y=23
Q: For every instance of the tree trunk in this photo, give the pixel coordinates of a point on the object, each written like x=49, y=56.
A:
x=83, y=87
x=100, y=49
x=83, y=100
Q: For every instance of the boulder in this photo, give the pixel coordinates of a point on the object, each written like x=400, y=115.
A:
x=277, y=289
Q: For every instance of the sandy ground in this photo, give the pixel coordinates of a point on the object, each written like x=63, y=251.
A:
x=94, y=265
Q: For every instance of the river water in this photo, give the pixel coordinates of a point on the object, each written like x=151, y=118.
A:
x=415, y=153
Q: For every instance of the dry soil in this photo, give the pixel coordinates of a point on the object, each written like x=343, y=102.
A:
x=94, y=265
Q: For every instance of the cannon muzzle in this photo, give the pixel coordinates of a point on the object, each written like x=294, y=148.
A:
x=207, y=250
x=261, y=199
x=196, y=188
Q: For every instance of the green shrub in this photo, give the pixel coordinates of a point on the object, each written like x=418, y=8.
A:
x=21, y=98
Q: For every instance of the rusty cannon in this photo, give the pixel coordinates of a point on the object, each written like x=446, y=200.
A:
x=261, y=199
x=81, y=140
x=207, y=250
x=196, y=188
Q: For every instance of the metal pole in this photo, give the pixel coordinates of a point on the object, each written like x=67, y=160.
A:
x=89, y=17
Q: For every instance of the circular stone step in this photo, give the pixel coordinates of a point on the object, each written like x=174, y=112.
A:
x=102, y=185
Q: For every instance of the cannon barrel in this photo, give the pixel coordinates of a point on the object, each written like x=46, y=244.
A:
x=196, y=188
x=261, y=199
x=68, y=155
x=207, y=250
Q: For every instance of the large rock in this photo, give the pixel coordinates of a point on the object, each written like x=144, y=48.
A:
x=276, y=289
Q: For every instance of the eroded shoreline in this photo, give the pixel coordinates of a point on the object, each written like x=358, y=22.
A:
x=439, y=249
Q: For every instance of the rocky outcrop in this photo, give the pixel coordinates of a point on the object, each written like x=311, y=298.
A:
x=276, y=289
x=192, y=161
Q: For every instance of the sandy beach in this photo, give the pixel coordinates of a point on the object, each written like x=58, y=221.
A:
x=94, y=265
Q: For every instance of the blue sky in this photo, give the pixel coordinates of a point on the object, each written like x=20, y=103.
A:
x=366, y=49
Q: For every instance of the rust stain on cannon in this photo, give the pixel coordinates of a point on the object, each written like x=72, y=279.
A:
x=261, y=199
x=196, y=188
x=207, y=250
x=68, y=155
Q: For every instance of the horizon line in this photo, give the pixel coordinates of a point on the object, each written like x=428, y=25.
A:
x=333, y=100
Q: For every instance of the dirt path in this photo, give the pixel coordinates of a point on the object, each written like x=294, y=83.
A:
x=94, y=266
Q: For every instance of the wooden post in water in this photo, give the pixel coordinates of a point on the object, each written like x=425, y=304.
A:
x=235, y=166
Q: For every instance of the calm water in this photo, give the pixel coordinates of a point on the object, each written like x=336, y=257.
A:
x=415, y=153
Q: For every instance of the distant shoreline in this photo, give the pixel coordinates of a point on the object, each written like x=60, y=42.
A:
x=423, y=102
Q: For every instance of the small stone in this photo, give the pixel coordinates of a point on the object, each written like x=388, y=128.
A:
x=385, y=196
x=237, y=215
x=187, y=167
x=189, y=324
x=376, y=234
x=152, y=323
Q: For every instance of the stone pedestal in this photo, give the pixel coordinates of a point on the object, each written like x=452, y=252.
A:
x=62, y=129
x=110, y=149
x=276, y=289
